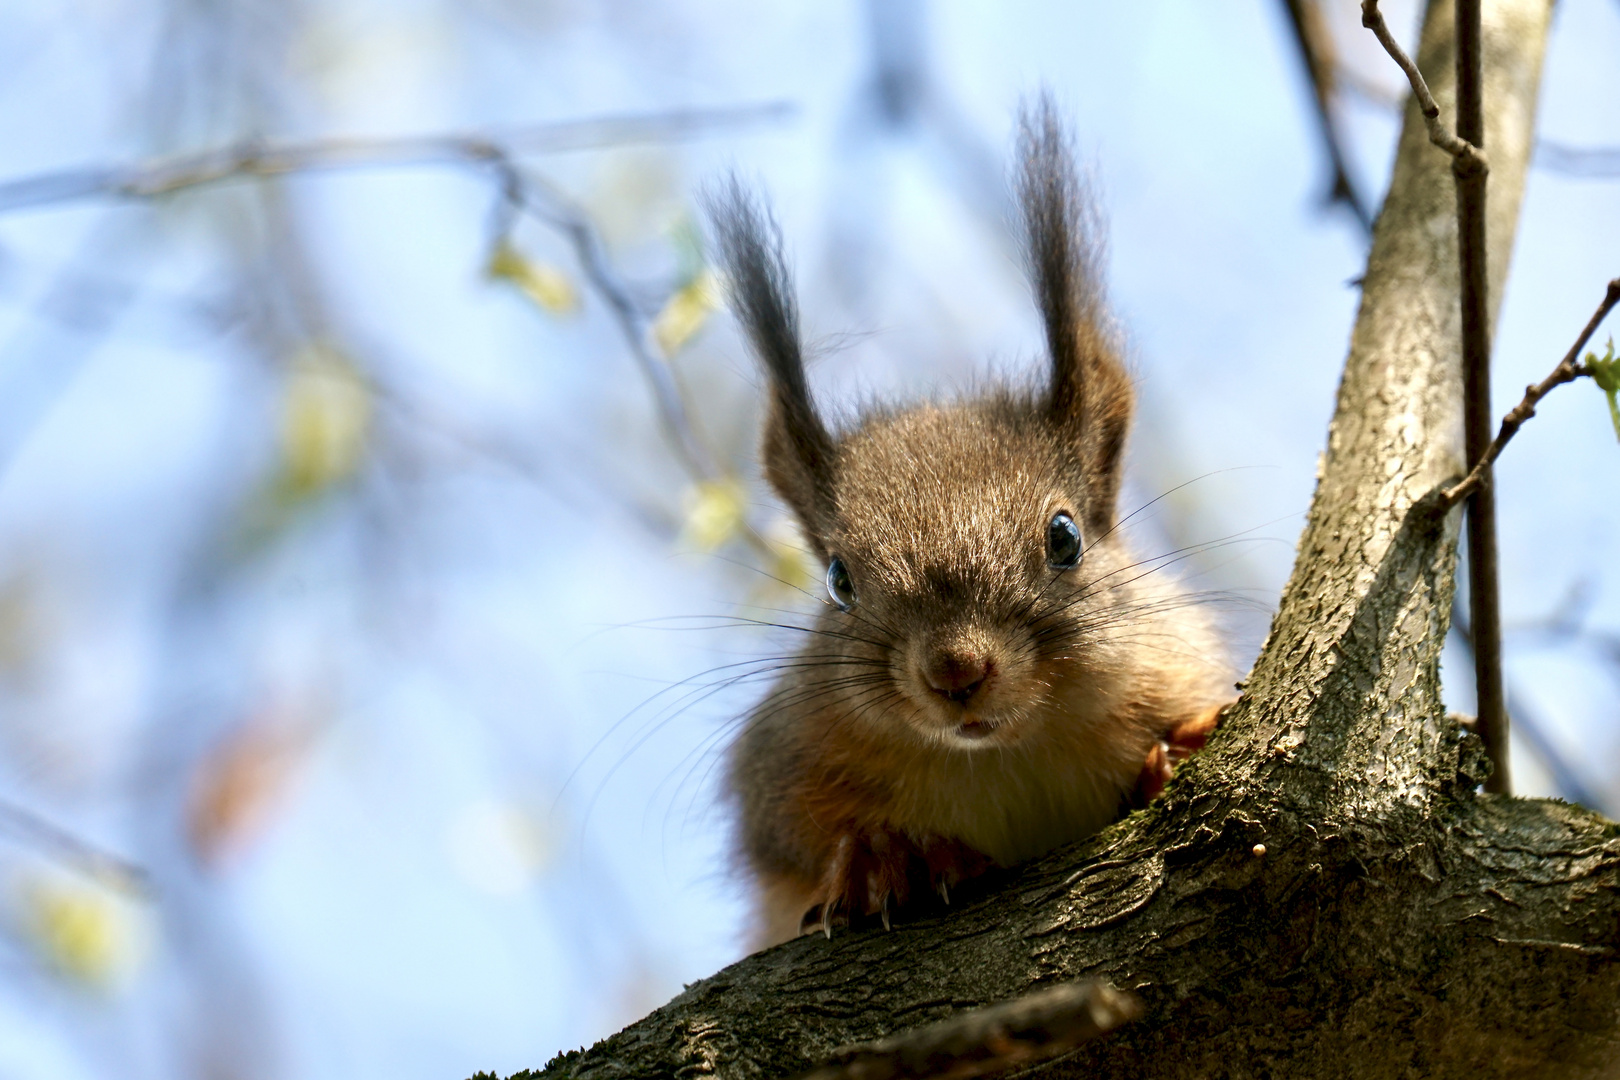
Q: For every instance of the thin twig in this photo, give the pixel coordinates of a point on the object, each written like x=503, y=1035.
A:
x=256, y=159
x=1467, y=155
x=1579, y=162
x=56, y=841
x=1586, y=162
x=549, y=205
x=1013, y=1033
x=1568, y=370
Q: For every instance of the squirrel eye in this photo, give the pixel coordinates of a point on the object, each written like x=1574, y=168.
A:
x=840, y=586
x=1062, y=543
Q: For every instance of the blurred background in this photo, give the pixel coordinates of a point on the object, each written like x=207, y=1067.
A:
x=383, y=558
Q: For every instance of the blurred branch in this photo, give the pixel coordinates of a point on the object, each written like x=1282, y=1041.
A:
x=1369, y=89
x=1590, y=162
x=546, y=203
x=903, y=96
x=257, y=159
x=1317, y=52
x=55, y=841
x=519, y=191
x=1568, y=370
x=39, y=362
x=1531, y=727
x=1568, y=625
x=1023, y=1031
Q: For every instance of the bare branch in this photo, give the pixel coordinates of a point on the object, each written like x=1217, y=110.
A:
x=62, y=845
x=1586, y=162
x=518, y=191
x=1579, y=162
x=1568, y=370
x=1315, y=42
x=254, y=159
x=1028, y=1029
x=1466, y=156
x=546, y=203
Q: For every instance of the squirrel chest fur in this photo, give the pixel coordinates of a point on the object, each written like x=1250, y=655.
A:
x=995, y=671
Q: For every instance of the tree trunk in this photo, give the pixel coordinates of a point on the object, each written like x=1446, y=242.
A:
x=1398, y=923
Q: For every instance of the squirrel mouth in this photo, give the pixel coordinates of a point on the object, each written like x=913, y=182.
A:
x=976, y=729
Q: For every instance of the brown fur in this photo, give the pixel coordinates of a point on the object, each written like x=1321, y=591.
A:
x=857, y=777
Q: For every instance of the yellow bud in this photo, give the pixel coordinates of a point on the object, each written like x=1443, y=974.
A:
x=545, y=285
x=790, y=569
x=714, y=513
x=325, y=417
x=84, y=932
x=686, y=312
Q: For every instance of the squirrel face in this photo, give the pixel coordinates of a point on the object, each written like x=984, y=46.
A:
x=959, y=556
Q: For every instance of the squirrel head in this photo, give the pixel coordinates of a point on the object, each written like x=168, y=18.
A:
x=970, y=547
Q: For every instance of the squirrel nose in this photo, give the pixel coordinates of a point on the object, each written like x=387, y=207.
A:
x=957, y=674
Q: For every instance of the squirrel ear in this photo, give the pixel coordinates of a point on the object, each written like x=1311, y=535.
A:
x=1090, y=398
x=798, y=450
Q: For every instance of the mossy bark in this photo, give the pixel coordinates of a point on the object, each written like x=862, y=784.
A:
x=1398, y=923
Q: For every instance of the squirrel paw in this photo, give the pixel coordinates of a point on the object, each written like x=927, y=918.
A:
x=951, y=862
x=871, y=873
x=1175, y=746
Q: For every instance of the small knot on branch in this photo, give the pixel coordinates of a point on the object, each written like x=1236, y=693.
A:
x=1468, y=161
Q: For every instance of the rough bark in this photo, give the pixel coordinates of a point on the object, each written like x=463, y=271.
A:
x=1398, y=923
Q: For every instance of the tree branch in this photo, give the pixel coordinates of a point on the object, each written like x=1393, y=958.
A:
x=1471, y=157
x=83, y=856
x=1315, y=44
x=549, y=205
x=1587, y=162
x=254, y=159
x=1033, y=1028
x=1484, y=577
x=519, y=191
x=1568, y=370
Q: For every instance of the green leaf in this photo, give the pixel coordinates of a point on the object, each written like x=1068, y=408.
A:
x=1605, y=371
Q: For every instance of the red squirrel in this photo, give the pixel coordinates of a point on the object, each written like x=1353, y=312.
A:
x=995, y=672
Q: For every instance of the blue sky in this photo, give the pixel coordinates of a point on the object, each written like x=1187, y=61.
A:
x=437, y=700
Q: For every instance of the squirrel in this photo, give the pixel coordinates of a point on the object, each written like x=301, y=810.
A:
x=995, y=673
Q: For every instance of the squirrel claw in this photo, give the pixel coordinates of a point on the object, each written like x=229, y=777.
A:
x=951, y=862
x=1177, y=745
x=871, y=872
x=821, y=918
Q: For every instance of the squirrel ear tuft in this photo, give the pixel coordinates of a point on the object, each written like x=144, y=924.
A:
x=798, y=450
x=1090, y=398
